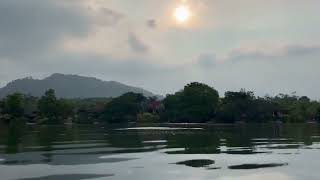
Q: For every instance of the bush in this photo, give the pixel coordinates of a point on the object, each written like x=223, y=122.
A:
x=148, y=118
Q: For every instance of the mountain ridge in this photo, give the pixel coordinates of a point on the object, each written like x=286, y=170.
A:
x=70, y=86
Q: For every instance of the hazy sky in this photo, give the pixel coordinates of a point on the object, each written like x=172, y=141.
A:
x=265, y=46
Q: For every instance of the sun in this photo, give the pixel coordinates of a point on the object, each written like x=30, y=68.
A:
x=182, y=14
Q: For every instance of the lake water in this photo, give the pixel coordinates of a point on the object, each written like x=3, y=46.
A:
x=158, y=152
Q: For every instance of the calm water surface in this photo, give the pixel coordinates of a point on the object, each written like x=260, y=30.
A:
x=157, y=152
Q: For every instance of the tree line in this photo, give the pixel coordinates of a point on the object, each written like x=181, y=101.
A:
x=195, y=103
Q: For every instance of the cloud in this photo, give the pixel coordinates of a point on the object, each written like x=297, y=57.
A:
x=32, y=26
x=254, y=54
x=273, y=53
x=301, y=50
x=108, y=17
x=151, y=23
x=136, y=44
x=207, y=60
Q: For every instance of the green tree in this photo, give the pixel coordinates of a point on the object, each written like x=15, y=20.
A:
x=49, y=106
x=244, y=106
x=317, y=114
x=236, y=106
x=14, y=105
x=124, y=108
x=1, y=105
x=196, y=103
x=65, y=108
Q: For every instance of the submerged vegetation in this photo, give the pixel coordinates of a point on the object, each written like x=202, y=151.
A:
x=196, y=103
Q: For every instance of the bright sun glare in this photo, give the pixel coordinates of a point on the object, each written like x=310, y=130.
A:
x=182, y=14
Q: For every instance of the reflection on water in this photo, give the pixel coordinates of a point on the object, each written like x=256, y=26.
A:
x=197, y=162
x=69, y=177
x=257, y=166
x=260, y=176
x=160, y=151
x=157, y=128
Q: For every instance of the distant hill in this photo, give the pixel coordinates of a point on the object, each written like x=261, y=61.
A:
x=70, y=86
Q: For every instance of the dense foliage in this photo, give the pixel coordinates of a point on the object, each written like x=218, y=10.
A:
x=124, y=108
x=195, y=103
x=13, y=105
x=54, y=110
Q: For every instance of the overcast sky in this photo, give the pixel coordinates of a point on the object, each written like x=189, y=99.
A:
x=268, y=47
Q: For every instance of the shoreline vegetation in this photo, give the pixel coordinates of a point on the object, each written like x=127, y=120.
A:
x=197, y=103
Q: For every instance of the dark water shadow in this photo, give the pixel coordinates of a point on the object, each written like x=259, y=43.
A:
x=290, y=146
x=194, y=151
x=196, y=163
x=65, y=160
x=76, y=160
x=103, y=152
x=138, y=167
x=69, y=177
x=213, y=168
x=257, y=166
x=245, y=152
